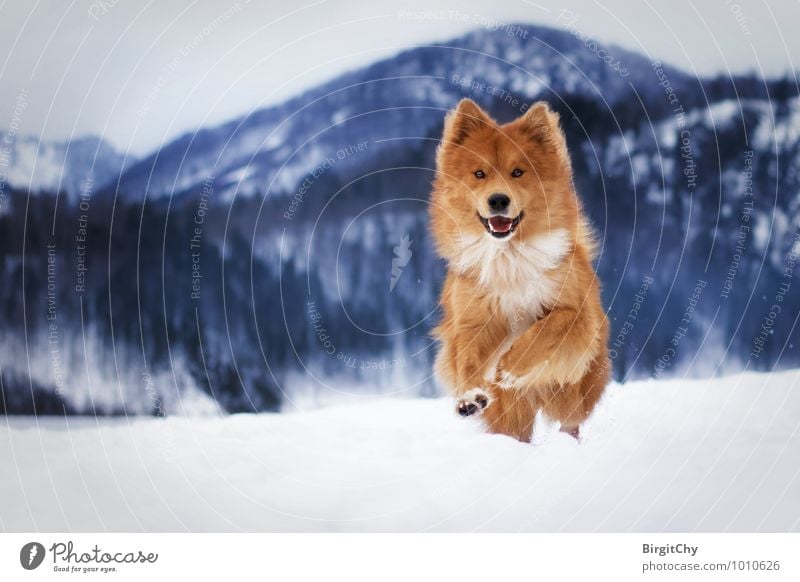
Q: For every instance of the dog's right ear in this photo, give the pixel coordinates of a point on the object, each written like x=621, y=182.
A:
x=463, y=120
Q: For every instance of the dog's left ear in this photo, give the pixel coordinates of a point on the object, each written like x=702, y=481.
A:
x=542, y=124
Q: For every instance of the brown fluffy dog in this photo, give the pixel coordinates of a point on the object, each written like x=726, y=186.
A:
x=523, y=329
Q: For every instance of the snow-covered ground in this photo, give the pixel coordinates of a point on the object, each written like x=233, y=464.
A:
x=719, y=455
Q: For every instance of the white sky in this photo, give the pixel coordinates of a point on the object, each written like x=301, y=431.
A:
x=139, y=73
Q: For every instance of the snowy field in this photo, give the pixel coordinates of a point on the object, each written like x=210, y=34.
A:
x=721, y=455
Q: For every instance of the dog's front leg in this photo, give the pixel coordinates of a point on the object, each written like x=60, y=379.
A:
x=556, y=349
x=479, y=348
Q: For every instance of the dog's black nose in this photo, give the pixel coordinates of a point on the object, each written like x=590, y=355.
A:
x=499, y=202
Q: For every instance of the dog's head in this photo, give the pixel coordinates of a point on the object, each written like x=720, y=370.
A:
x=505, y=183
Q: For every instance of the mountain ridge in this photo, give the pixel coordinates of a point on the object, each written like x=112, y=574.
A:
x=206, y=288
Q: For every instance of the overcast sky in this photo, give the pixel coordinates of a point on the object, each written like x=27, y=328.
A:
x=139, y=73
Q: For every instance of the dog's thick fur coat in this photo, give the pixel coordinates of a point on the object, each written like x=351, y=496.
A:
x=523, y=329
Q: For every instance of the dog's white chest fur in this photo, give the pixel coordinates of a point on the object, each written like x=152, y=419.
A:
x=516, y=274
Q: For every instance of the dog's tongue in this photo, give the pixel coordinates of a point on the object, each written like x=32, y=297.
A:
x=500, y=223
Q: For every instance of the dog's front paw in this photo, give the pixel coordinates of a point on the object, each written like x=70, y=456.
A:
x=473, y=402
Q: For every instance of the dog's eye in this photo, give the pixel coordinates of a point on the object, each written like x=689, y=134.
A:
x=516, y=172
x=479, y=174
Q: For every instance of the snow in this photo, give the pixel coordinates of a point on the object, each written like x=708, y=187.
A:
x=40, y=166
x=721, y=114
x=658, y=456
x=761, y=232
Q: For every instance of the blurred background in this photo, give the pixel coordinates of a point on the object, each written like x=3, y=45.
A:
x=222, y=206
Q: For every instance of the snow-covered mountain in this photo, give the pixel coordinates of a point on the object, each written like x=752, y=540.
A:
x=251, y=266
x=272, y=150
x=81, y=165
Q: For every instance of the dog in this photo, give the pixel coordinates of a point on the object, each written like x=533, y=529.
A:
x=523, y=328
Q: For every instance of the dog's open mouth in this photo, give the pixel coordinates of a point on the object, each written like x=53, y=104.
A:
x=500, y=226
